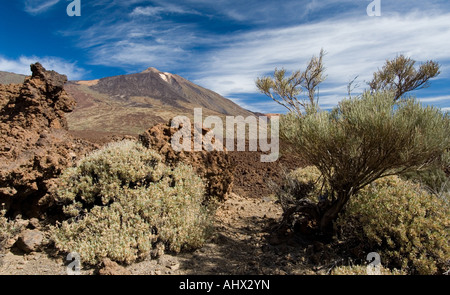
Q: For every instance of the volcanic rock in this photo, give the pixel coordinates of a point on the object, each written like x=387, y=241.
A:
x=30, y=240
x=34, y=142
x=214, y=166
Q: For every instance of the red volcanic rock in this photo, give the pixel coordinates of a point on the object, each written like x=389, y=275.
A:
x=215, y=166
x=34, y=142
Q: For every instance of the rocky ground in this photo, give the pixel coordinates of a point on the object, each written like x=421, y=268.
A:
x=242, y=244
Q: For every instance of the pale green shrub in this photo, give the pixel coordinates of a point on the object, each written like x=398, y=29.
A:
x=4, y=229
x=305, y=183
x=8, y=229
x=297, y=185
x=123, y=201
x=405, y=224
x=434, y=180
x=363, y=139
x=362, y=270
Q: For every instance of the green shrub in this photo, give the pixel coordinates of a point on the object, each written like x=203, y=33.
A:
x=406, y=225
x=297, y=185
x=434, y=180
x=362, y=270
x=4, y=229
x=8, y=229
x=364, y=139
x=123, y=202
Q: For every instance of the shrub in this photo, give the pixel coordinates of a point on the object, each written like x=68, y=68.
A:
x=8, y=229
x=363, y=139
x=362, y=270
x=434, y=180
x=300, y=194
x=123, y=202
x=297, y=185
x=406, y=225
x=400, y=76
x=4, y=229
x=286, y=90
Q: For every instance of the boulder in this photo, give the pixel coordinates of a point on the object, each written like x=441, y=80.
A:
x=30, y=240
x=215, y=167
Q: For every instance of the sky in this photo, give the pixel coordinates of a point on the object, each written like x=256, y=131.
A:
x=224, y=45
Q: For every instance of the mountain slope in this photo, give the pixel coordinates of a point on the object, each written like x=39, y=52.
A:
x=11, y=78
x=130, y=104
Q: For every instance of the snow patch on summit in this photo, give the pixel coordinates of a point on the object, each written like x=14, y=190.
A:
x=165, y=76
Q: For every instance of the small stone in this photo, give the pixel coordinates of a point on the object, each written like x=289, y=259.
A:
x=30, y=240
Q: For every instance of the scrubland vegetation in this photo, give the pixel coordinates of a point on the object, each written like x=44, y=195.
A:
x=361, y=153
x=377, y=179
x=122, y=202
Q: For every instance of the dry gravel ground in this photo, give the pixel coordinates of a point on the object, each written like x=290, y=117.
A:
x=242, y=244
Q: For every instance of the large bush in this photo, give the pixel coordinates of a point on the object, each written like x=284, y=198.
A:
x=436, y=178
x=363, y=139
x=122, y=201
x=406, y=225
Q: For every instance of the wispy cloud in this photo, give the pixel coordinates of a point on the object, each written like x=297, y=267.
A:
x=435, y=99
x=156, y=10
x=22, y=66
x=39, y=6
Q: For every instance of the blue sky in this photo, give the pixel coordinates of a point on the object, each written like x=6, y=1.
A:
x=224, y=45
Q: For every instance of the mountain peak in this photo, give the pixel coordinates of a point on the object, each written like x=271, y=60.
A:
x=151, y=70
x=163, y=75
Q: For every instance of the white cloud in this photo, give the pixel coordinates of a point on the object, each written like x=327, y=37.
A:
x=156, y=10
x=356, y=46
x=128, y=54
x=147, y=11
x=22, y=66
x=436, y=98
x=39, y=6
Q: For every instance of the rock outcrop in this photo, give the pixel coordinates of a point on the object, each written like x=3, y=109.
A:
x=34, y=142
x=215, y=167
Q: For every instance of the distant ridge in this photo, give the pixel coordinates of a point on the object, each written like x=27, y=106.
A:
x=11, y=78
